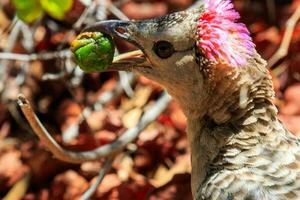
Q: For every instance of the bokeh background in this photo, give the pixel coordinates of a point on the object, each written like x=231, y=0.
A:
x=85, y=111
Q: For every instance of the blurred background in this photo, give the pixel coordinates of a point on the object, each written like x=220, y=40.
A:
x=86, y=111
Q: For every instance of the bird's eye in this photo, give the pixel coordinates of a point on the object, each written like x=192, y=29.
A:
x=163, y=49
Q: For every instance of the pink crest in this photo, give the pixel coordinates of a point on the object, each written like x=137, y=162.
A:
x=220, y=37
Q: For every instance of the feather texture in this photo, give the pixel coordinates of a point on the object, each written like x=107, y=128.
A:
x=251, y=156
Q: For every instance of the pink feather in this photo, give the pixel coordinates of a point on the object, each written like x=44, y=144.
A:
x=220, y=37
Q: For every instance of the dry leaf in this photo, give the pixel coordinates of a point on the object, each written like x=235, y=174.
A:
x=132, y=117
x=11, y=168
x=163, y=175
x=125, y=168
x=68, y=186
x=110, y=181
x=19, y=189
x=140, y=98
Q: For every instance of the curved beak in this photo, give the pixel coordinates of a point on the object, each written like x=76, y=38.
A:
x=123, y=30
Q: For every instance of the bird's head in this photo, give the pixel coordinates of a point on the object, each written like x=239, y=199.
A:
x=167, y=44
x=190, y=52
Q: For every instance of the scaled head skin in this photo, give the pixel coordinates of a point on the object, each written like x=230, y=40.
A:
x=200, y=56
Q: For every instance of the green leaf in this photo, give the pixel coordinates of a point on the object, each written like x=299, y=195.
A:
x=57, y=8
x=93, y=51
x=28, y=10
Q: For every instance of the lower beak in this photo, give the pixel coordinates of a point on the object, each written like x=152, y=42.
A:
x=123, y=30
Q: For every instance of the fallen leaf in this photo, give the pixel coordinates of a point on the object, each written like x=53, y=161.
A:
x=139, y=99
x=291, y=96
x=132, y=117
x=90, y=169
x=163, y=175
x=149, y=133
x=125, y=168
x=177, y=189
x=105, y=136
x=96, y=120
x=11, y=168
x=68, y=112
x=141, y=96
x=110, y=181
x=19, y=189
x=68, y=186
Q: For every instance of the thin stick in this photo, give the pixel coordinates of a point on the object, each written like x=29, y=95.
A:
x=12, y=38
x=287, y=37
x=106, y=167
x=35, y=56
x=105, y=150
x=117, y=12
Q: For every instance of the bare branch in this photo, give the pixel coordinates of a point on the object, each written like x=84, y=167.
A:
x=117, y=12
x=287, y=37
x=35, y=56
x=88, y=10
x=105, y=150
x=106, y=167
x=12, y=38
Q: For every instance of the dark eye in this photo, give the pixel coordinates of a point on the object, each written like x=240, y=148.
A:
x=163, y=49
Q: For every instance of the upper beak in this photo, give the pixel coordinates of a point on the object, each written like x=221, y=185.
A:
x=121, y=29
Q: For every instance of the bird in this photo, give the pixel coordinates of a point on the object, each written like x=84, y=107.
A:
x=206, y=60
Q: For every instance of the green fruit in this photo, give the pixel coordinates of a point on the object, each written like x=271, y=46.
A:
x=94, y=51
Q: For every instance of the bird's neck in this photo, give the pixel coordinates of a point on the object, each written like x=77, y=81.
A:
x=210, y=142
x=234, y=117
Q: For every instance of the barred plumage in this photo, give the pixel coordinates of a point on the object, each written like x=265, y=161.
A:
x=257, y=157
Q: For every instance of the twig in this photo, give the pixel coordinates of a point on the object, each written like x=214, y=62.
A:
x=35, y=56
x=54, y=77
x=119, y=3
x=101, y=10
x=10, y=27
x=125, y=79
x=117, y=12
x=105, y=150
x=88, y=10
x=27, y=41
x=106, y=167
x=287, y=37
x=12, y=38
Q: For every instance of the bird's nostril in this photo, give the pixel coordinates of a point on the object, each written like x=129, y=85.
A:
x=120, y=30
